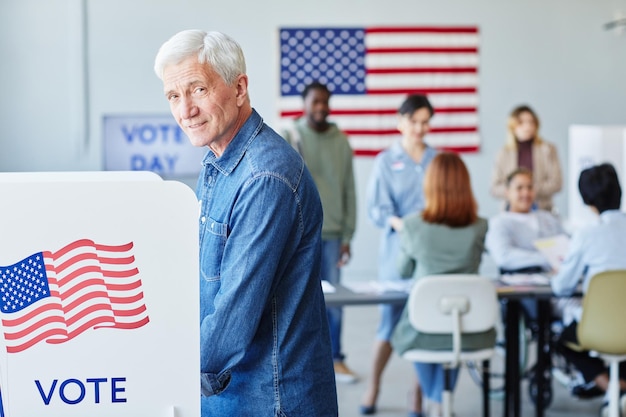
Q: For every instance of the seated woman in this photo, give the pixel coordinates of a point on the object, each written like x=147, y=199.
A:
x=595, y=249
x=446, y=237
x=512, y=232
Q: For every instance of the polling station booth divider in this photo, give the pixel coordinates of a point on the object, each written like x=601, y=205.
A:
x=99, y=307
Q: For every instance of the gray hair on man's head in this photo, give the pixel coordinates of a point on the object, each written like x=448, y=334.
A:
x=217, y=49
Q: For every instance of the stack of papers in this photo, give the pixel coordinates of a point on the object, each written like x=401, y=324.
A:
x=379, y=287
x=327, y=287
x=554, y=249
x=525, y=279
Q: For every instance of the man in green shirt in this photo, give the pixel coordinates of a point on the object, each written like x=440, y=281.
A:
x=328, y=155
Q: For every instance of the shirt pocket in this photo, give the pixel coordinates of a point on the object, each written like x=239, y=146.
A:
x=212, y=249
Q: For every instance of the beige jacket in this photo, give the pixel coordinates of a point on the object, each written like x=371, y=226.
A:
x=547, y=177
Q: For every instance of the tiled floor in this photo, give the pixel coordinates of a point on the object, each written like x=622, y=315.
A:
x=359, y=329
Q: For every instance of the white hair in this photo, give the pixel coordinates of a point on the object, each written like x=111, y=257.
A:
x=217, y=49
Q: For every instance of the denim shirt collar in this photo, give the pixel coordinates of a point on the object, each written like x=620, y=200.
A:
x=237, y=148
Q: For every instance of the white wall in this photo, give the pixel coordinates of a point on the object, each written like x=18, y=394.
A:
x=552, y=54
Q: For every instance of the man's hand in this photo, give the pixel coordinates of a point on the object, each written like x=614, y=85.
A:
x=344, y=255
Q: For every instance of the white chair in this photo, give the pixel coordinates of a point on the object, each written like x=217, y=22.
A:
x=602, y=329
x=453, y=305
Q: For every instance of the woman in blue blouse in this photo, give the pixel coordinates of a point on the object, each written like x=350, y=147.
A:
x=395, y=190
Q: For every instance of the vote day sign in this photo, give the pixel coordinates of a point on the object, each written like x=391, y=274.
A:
x=149, y=143
x=98, y=296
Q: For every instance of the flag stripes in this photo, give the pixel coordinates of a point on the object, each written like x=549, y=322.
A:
x=56, y=296
x=371, y=71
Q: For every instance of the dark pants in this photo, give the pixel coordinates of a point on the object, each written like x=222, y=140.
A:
x=529, y=304
x=589, y=366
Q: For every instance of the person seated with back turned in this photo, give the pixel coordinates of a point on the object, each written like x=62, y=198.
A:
x=594, y=249
x=447, y=237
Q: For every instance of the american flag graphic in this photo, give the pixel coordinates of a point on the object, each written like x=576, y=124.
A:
x=371, y=71
x=56, y=296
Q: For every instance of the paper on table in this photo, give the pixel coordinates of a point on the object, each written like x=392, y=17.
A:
x=327, y=287
x=554, y=249
x=525, y=279
x=377, y=287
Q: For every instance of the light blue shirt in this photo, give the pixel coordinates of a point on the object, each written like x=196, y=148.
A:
x=594, y=249
x=265, y=345
x=395, y=189
x=510, y=238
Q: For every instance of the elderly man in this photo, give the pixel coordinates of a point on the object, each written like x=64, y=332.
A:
x=265, y=344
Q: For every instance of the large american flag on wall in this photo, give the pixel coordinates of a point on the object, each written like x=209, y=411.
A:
x=371, y=70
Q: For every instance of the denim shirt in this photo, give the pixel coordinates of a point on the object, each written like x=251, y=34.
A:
x=395, y=189
x=265, y=345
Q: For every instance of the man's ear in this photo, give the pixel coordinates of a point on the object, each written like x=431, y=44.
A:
x=242, y=89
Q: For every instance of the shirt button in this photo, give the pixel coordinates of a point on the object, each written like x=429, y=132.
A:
x=203, y=219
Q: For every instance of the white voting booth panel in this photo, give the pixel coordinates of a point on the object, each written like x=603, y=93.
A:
x=588, y=146
x=99, y=296
x=79, y=176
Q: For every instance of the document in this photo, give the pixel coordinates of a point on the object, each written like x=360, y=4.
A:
x=379, y=287
x=525, y=279
x=554, y=249
x=327, y=287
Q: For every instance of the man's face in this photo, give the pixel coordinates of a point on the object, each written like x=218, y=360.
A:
x=520, y=194
x=205, y=107
x=316, y=107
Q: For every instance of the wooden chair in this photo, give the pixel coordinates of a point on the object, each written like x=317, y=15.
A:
x=454, y=306
x=602, y=328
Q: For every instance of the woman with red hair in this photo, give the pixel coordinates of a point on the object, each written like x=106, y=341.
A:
x=446, y=237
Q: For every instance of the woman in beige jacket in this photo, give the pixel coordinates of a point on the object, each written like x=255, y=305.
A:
x=525, y=148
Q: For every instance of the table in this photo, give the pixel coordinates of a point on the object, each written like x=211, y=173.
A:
x=343, y=296
x=513, y=294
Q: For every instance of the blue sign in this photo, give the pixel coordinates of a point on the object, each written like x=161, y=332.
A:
x=149, y=143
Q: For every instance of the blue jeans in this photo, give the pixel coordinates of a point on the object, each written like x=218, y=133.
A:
x=389, y=318
x=331, y=273
x=430, y=376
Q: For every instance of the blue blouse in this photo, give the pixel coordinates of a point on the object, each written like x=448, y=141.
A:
x=395, y=189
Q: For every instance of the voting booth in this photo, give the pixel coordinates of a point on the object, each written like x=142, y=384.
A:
x=591, y=145
x=99, y=300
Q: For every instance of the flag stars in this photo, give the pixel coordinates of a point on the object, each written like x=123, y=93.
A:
x=22, y=284
x=342, y=51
